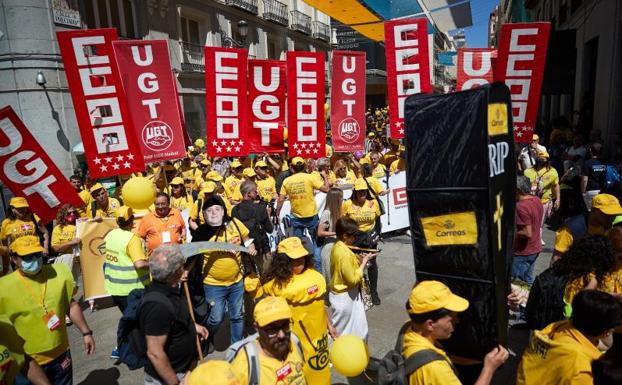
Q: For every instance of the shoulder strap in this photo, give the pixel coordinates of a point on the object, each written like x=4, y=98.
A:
x=424, y=357
x=400, y=336
x=253, y=363
x=297, y=344
x=371, y=191
x=93, y=208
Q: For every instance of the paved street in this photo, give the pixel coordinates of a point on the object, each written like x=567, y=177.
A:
x=396, y=280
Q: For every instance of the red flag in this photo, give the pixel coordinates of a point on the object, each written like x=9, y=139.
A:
x=266, y=100
x=347, y=110
x=226, y=102
x=28, y=171
x=475, y=67
x=305, y=104
x=149, y=86
x=108, y=136
x=522, y=55
x=408, y=66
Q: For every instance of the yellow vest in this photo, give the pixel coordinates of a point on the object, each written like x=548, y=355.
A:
x=120, y=274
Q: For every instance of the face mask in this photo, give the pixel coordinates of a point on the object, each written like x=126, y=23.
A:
x=71, y=218
x=33, y=266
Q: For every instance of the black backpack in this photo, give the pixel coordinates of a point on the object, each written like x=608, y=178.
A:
x=545, y=304
x=131, y=342
x=255, y=229
x=394, y=369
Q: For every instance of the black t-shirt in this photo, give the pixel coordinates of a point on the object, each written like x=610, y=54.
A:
x=157, y=320
x=595, y=172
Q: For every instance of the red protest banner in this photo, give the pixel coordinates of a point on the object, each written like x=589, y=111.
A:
x=29, y=172
x=110, y=143
x=347, y=110
x=266, y=99
x=475, y=67
x=226, y=102
x=521, y=59
x=305, y=104
x=149, y=86
x=408, y=66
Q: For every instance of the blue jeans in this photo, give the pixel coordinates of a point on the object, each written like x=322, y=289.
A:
x=311, y=223
x=59, y=371
x=522, y=267
x=232, y=297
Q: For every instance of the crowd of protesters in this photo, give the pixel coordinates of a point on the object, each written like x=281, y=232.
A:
x=285, y=302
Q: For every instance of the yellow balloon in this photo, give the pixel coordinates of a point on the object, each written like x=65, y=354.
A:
x=349, y=355
x=138, y=193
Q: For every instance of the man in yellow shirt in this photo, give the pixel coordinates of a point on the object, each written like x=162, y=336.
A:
x=38, y=312
x=562, y=353
x=101, y=206
x=235, y=179
x=378, y=169
x=280, y=361
x=266, y=185
x=13, y=361
x=84, y=194
x=433, y=311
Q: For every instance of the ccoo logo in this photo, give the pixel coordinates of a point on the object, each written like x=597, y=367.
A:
x=349, y=130
x=157, y=135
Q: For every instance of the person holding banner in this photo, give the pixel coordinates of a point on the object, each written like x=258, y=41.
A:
x=84, y=194
x=201, y=174
x=101, y=206
x=20, y=222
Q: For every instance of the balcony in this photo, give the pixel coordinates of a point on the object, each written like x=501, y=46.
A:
x=300, y=22
x=321, y=31
x=192, y=57
x=245, y=5
x=276, y=11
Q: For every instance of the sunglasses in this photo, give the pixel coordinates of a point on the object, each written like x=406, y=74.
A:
x=273, y=330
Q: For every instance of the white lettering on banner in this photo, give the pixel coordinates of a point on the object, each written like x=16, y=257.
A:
x=227, y=124
x=265, y=107
x=148, y=56
x=87, y=75
x=486, y=58
x=405, y=48
x=36, y=166
x=497, y=152
x=148, y=83
x=348, y=85
x=271, y=107
x=274, y=80
x=519, y=78
x=307, y=101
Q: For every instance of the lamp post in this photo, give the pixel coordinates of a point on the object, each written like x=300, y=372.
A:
x=229, y=42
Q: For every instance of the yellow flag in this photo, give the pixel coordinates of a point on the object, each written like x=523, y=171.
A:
x=92, y=256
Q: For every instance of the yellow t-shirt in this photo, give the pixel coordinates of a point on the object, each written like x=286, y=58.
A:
x=375, y=185
x=547, y=178
x=365, y=216
x=389, y=157
x=397, y=165
x=26, y=311
x=11, y=229
x=558, y=354
x=434, y=373
x=266, y=188
x=345, y=272
x=12, y=357
x=113, y=205
x=86, y=197
x=299, y=188
x=379, y=171
x=222, y=268
x=182, y=203
x=336, y=181
x=230, y=184
x=271, y=370
x=63, y=234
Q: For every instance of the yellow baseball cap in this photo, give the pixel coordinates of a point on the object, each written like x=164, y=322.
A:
x=297, y=161
x=206, y=162
x=535, y=137
x=364, y=161
x=200, y=143
x=360, y=184
x=607, y=203
x=235, y=164
x=124, y=212
x=95, y=187
x=428, y=296
x=28, y=244
x=543, y=154
x=261, y=163
x=177, y=180
x=292, y=247
x=371, y=135
x=208, y=187
x=214, y=175
x=249, y=172
x=18, y=202
x=271, y=309
x=214, y=372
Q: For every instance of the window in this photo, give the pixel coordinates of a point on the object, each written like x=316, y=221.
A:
x=194, y=115
x=190, y=31
x=117, y=14
x=273, y=47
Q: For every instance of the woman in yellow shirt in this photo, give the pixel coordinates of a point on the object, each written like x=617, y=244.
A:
x=346, y=275
x=342, y=175
x=180, y=199
x=64, y=238
x=365, y=212
x=291, y=276
x=20, y=221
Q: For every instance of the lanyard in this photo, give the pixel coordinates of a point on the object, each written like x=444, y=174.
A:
x=32, y=292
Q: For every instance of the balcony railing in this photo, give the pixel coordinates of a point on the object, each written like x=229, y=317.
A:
x=300, y=22
x=245, y=5
x=275, y=11
x=321, y=31
x=192, y=57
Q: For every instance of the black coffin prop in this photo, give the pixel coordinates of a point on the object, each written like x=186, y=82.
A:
x=461, y=184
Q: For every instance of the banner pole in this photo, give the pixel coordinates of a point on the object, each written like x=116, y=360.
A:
x=191, y=311
x=388, y=205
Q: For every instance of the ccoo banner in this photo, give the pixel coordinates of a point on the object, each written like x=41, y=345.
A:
x=475, y=67
x=347, y=110
x=462, y=214
x=305, y=104
x=226, y=101
x=408, y=66
x=149, y=86
x=110, y=143
x=266, y=99
x=28, y=171
x=522, y=55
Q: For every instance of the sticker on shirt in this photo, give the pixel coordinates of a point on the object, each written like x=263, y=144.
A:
x=283, y=372
x=313, y=289
x=51, y=320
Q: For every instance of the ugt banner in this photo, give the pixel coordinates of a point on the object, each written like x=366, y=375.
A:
x=408, y=66
x=226, y=102
x=110, y=143
x=149, y=86
x=475, y=67
x=305, y=104
x=266, y=99
x=522, y=55
x=347, y=110
x=29, y=172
